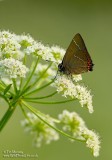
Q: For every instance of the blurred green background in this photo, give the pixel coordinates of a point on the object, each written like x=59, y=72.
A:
x=56, y=22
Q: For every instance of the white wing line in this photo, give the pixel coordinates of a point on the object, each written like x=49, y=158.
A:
x=79, y=58
x=77, y=44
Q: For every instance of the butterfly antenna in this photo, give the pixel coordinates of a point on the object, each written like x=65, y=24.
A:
x=51, y=61
x=56, y=74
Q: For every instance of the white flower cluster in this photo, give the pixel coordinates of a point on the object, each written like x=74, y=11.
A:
x=16, y=47
x=73, y=123
x=42, y=132
x=9, y=46
x=65, y=84
x=13, y=68
x=53, y=54
x=92, y=141
x=85, y=98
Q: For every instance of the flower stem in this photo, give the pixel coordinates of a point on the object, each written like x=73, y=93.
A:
x=36, y=81
x=45, y=121
x=7, y=116
x=25, y=113
x=4, y=97
x=42, y=97
x=14, y=84
x=51, y=102
x=21, y=79
x=29, y=78
x=9, y=112
x=44, y=86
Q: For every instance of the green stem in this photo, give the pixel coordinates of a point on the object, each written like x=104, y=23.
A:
x=36, y=81
x=45, y=121
x=4, y=97
x=44, y=86
x=51, y=102
x=14, y=84
x=21, y=79
x=3, y=83
x=28, y=80
x=9, y=112
x=42, y=97
x=25, y=113
x=6, y=116
x=3, y=86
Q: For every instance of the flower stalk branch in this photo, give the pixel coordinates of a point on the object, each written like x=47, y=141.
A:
x=45, y=121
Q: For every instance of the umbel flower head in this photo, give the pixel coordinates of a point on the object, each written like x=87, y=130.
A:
x=65, y=84
x=12, y=68
x=28, y=67
x=74, y=124
x=41, y=131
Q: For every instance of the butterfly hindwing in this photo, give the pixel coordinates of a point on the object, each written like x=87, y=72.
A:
x=77, y=58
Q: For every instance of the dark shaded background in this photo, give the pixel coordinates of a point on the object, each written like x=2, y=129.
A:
x=56, y=22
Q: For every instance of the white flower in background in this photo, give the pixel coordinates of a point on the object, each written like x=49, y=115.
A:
x=6, y=80
x=13, y=68
x=73, y=123
x=65, y=84
x=42, y=132
x=49, y=73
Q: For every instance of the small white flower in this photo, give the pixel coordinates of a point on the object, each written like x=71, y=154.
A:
x=46, y=54
x=12, y=68
x=72, y=122
x=58, y=53
x=84, y=97
x=54, y=53
x=9, y=46
x=77, y=77
x=42, y=132
x=92, y=141
x=16, y=46
x=25, y=40
x=34, y=48
x=65, y=84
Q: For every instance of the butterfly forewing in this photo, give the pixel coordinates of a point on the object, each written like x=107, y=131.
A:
x=77, y=59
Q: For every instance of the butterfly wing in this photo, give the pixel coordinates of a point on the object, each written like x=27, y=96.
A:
x=77, y=59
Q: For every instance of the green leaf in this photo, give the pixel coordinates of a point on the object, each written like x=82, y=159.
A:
x=7, y=88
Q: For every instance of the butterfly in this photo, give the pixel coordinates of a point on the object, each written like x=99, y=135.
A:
x=76, y=59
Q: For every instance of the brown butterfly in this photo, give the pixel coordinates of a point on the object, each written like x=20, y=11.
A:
x=76, y=59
